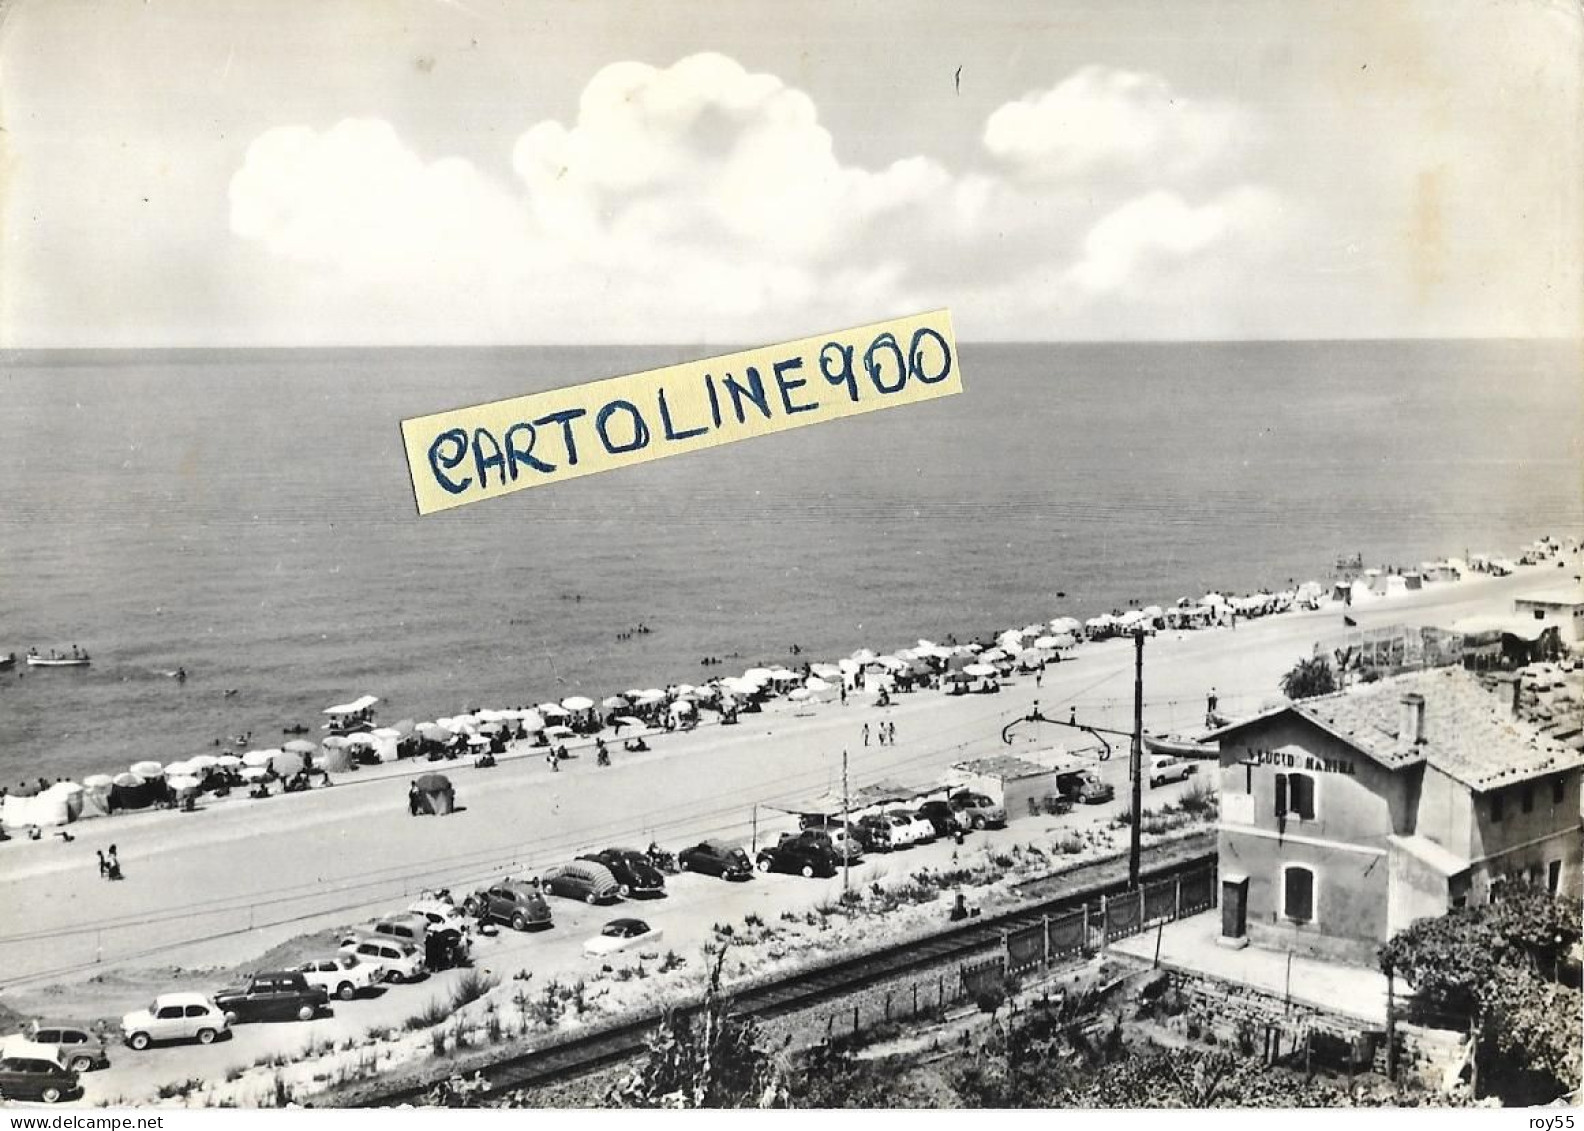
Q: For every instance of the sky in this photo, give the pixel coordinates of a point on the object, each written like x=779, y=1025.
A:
x=369, y=172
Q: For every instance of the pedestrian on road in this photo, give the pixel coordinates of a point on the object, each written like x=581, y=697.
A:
x=104, y=865
x=1039, y=676
x=412, y=799
x=891, y=732
x=866, y=734
x=1210, y=701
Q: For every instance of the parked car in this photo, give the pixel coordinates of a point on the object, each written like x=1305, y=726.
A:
x=81, y=1049
x=716, y=858
x=800, y=854
x=175, y=1017
x=31, y=1071
x=516, y=902
x=634, y=874
x=395, y=961
x=582, y=879
x=441, y=915
x=340, y=975
x=876, y=832
x=622, y=934
x=909, y=828
x=274, y=995
x=981, y=812
x=1165, y=768
x=945, y=820
x=1085, y=786
x=845, y=839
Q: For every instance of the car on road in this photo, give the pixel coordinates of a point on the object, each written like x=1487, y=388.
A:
x=622, y=934
x=876, y=832
x=981, y=811
x=340, y=975
x=945, y=820
x=581, y=879
x=518, y=903
x=1165, y=768
x=273, y=995
x=31, y=1071
x=395, y=961
x=634, y=873
x=908, y=829
x=716, y=858
x=81, y=1049
x=1085, y=786
x=175, y=1017
x=799, y=854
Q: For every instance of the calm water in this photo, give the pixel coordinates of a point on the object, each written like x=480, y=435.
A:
x=247, y=515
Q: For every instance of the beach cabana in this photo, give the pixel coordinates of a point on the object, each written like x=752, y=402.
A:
x=436, y=795
x=336, y=759
x=96, y=795
x=131, y=791
x=286, y=763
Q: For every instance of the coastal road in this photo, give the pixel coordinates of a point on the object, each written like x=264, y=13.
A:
x=219, y=887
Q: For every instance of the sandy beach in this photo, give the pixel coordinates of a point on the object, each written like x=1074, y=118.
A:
x=216, y=887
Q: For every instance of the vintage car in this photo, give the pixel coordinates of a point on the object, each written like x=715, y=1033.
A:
x=716, y=858
x=175, y=1017
x=622, y=934
x=273, y=995
x=518, y=903
x=581, y=879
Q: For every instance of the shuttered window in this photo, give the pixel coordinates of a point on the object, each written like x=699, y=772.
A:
x=1295, y=796
x=1298, y=894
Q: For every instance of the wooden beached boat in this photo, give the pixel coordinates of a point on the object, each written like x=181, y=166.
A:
x=8, y=661
x=57, y=661
x=1179, y=747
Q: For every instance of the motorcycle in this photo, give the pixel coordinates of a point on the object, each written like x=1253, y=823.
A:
x=664, y=861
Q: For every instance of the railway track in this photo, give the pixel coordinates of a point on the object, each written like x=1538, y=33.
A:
x=585, y=1053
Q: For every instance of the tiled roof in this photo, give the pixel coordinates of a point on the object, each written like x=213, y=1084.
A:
x=1469, y=733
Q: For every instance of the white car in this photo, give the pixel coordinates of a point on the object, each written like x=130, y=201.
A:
x=174, y=1017
x=395, y=961
x=909, y=829
x=621, y=934
x=341, y=975
x=1165, y=768
x=441, y=915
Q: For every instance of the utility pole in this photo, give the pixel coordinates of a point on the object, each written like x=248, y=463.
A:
x=846, y=822
x=1136, y=761
x=753, y=841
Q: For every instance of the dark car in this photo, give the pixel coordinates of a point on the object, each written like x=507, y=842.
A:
x=517, y=902
x=33, y=1073
x=80, y=1049
x=875, y=829
x=632, y=869
x=276, y=995
x=978, y=810
x=716, y=858
x=943, y=818
x=800, y=854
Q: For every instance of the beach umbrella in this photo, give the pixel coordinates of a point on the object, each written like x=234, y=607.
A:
x=433, y=783
x=228, y=762
x=577, y=703
x=335, y=741
x=182, y=782
x=552, y=710
x=1047, y=642
x=826, y=671
x=254, y=773
x=361, y=740
x=390, y=734
x=653, y=695
x=532, y=721
x=979, y=670
x=627, y=721
x=286, y=763
x=682, y=707
x=993, y=655
x=478, y=740
x=404, y=727
x=559, y=732
x=434, y=732
x=489, y=716
x=146, y=769
x=490, y=728
x=299, y=746
x=799, y=694
x=1153, y=611
x=178, y=770
x=203, y=761
x=815, y=683
x=98, y=781
x=864, y=656
x=614, y=702
x=761, y=674
x=258, y=758
x=782, y=675
x=847, y=666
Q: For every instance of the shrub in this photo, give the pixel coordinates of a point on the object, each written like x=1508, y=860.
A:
x=472, y=985
x=234, y=1073
x=674, y=961
x=1199, y=798
x=754, y=919
x=379, y=1032
x=427, y=1017
x=179, y=1088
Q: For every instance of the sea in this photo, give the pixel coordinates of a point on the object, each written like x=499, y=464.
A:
x=247, y=515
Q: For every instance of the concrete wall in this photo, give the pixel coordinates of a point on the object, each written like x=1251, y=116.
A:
x=1350, y=896
x=1492, y=838
x=1416, y=891
x=1445, y=814
x=1013, y=796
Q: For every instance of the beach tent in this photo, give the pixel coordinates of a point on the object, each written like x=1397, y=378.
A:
x=129, y=791
x=436, y=795
x=336, y=759
x=287, y=763
x=47, y=809
x=1031, y=660
x=96, y=795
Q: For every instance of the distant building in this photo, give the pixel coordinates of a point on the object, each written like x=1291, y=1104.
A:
x=1346, y=817
x=1010, y=782
x=1562, y=606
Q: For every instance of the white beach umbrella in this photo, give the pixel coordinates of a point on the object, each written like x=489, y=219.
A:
x=653, y=695
x=1065, y=624
x=478, y=740
x=1047, y=642
x=178, y=770
x=847, y=666
x=146, y=769
x=254, y=773
x=552, y=710
x=362, y=740
x=98, y=781
x=864, y=656
x=577, y=703
x=203, y=761
x=532, y=721
x=799, y=694
x=336, y=741
x=782, y=675
x=614, y=703
x=259, y=758
x=815, y=683
x=628, y=721
x=979, y=670
x=826, y=671
x=182, y=782
x=228, y=762
x=386, y=732
x=760, y=674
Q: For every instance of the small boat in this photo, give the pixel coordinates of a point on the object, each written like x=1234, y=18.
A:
x=57, y=661
x=8, y=661
x=1179, y=747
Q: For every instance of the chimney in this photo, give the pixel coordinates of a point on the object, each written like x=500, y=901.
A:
x=1516, y=705
x=1412, y=729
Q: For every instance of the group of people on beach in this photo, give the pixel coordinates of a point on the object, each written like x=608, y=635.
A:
x=885, y=733
x=109, y=865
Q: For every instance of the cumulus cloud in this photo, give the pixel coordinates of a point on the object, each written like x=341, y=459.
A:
x=703, y=200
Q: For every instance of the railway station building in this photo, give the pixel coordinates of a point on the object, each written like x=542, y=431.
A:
x=1346, y=817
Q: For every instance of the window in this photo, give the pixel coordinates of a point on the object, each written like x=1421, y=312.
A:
x=168, y=1012
x=1554, y=876
x=197, y=1011
x=1298, y=893
x=1558, y=791
x=1496, y=808
x=1528, y=799
x=1295, y=796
